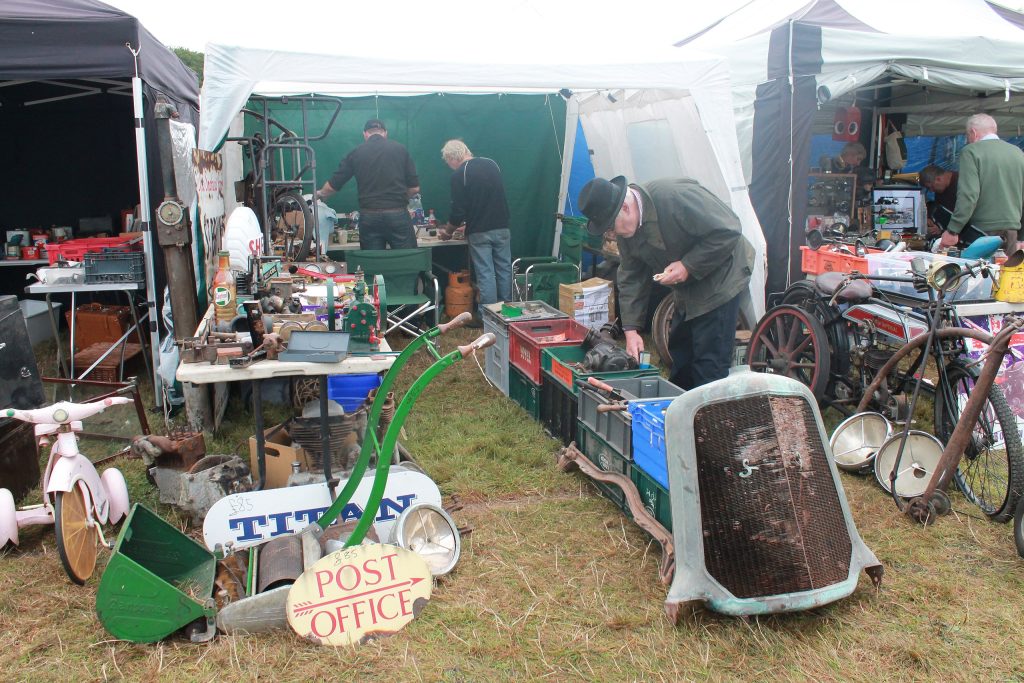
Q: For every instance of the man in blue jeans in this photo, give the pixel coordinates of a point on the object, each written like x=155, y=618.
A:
x=386, y=179
x=478, y=201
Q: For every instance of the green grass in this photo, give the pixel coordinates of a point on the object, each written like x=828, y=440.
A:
x=555, y=583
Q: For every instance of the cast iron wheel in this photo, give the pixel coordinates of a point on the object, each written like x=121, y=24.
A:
x=802, y=293
x=292, y=222
x=991, y=472
x=76, y=540
x=790, y=341
x=661, y=326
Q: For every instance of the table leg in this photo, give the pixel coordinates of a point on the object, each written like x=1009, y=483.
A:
x=61, y=365
x=142, y=339
x=74, y=315
x=261, y=442
x=325, y=434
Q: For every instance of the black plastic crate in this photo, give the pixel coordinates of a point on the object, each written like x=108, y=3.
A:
x=114, y=266
x=557, y=409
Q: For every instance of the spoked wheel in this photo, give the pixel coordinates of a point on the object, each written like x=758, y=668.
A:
x=292, y=223
x=991, y=472
x=790, y=341
x=661, y=326
x=76, y=540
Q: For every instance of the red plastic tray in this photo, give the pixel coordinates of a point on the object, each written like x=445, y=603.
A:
x=75, y=250
x=526, y=339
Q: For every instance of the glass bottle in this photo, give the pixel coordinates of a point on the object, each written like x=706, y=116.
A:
x=225, y=306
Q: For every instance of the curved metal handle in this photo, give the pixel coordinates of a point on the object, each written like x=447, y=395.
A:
x=603, y=386
x=611, y=407
x=481, y=342
x=458, y=321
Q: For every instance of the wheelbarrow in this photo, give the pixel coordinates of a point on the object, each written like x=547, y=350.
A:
x=159, y=580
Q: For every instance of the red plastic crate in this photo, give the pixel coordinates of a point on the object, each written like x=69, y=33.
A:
x=75, y=250
x=526, y=340
x=824, y=260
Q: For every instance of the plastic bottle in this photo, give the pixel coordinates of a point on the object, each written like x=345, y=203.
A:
x=225, y=307
x=432, y=219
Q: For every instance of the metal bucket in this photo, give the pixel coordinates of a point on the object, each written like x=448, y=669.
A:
x=158, y=580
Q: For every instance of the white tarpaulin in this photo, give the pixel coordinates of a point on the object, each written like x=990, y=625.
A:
x=689, y=92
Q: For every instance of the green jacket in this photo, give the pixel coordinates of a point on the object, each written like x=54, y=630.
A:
x=682, y=221
x=990, y=190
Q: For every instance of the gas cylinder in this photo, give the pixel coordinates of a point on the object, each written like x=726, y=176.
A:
x=458, y=295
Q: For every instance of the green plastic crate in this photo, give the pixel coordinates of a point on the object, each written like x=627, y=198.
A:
x=607, y=458
x=524, y=392
x=559, y=361
x=654, y=496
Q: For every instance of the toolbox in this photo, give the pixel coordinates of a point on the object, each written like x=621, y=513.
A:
x=101, y=324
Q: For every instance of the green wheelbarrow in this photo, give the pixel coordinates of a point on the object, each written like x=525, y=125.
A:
x=159, y=580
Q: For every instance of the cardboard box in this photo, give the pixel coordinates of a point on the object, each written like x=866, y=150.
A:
x=590, y=303
x=280, y=456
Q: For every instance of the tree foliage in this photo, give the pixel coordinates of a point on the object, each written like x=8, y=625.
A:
x=192, y=59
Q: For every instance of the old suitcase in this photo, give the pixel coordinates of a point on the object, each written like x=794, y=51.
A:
x=20, y=387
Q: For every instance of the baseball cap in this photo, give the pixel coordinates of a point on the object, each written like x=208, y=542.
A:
x=373, y=124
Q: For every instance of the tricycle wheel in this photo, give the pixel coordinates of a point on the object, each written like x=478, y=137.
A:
x=76, y=540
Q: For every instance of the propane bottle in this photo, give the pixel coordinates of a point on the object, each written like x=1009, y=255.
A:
x=225, y=307
x=458, y=295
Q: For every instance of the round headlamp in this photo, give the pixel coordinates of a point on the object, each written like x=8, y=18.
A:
x=429, y=531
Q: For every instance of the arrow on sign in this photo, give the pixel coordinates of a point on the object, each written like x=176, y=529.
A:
x=302, y=608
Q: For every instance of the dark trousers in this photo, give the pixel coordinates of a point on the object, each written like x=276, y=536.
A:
x=378, y=230
x=702, y=348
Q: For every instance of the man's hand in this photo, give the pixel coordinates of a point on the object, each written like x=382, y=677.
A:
x=673, y=274
x=444, y=233
x=949, y=239
x=634, y=344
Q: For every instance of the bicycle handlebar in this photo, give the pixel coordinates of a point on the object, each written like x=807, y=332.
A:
x=64, y=412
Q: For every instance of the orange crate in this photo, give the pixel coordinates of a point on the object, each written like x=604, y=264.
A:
x=825, y=260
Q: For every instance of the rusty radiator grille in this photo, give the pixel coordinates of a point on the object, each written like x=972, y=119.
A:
x=770, y=512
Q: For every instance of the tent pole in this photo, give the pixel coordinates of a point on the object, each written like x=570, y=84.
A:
x=572, y=117
x=147, y=238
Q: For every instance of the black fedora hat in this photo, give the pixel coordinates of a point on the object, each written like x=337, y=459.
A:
x=600, y=201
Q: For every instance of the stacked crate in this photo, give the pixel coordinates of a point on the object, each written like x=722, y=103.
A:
x=609, y=439
x=496, y=319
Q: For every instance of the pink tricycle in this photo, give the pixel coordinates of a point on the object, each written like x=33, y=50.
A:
x=76, y=499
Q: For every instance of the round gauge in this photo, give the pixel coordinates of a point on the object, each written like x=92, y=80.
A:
x=330, y=269
x=170, y=212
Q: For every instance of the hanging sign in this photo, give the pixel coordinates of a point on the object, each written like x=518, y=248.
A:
x=359, y=593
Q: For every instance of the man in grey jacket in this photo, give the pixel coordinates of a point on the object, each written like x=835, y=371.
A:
x=674, y=231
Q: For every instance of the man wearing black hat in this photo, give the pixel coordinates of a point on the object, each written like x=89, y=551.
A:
x=675, y=232
x=386, y=179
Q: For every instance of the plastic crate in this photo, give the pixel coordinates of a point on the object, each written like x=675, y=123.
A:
x=607, y=458
x=561, y=362
x=615, y=427
x=496, y=355
x=524, y=392
x=557, y=409
x=824, y=260
x=975, y=288
x=526, y=340
x=349, y=391
x=520, y=311
x=655, y=497
x=114, y=266
x=75, y=250
x=649, y=438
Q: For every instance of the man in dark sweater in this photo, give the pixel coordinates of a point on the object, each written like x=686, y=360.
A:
x=386, y=179
x=676, y=232
x=943, y=184
x=478, y=201
x=990, y=189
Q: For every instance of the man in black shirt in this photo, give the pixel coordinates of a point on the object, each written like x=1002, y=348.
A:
x=478, y=201
x=386, y=179
x=944, y=184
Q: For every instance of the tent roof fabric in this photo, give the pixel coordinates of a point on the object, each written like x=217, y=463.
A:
x=232, y=74
x=84, y=39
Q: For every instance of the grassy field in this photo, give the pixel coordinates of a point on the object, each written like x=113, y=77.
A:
x=556, y=584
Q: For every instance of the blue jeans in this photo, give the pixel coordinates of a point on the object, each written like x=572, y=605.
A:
x=379, y=230
x=490, y=256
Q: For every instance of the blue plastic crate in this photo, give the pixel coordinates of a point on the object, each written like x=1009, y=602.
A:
x=649, y=438
x=351, y=390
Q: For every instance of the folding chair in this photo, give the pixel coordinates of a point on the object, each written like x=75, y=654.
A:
x=410, y=286
x=536, y=278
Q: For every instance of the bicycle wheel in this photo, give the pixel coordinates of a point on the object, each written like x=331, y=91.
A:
x=76, y=540
x=790, y=341
x=292, y=222
x=992, y=468
x=1018, y=528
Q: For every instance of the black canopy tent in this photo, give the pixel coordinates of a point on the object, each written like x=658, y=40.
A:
x=77, y=79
